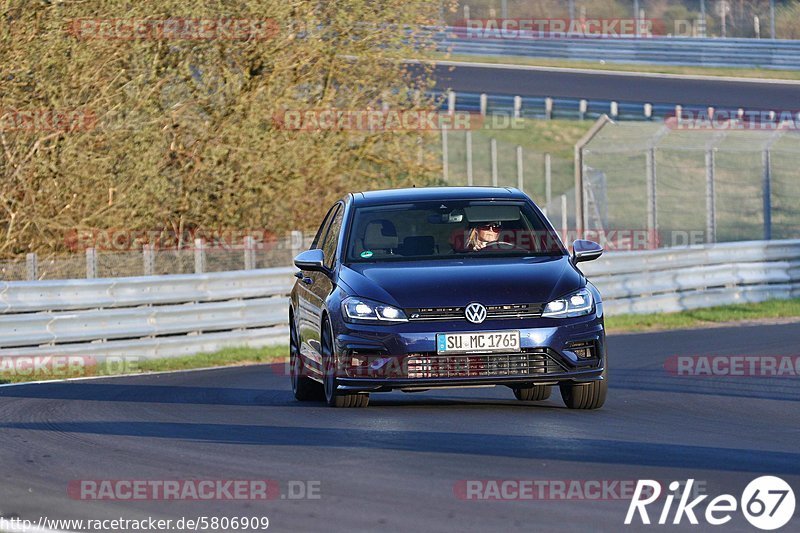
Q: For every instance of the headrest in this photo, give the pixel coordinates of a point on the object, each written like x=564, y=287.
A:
x=419, y=245
x=380, y=235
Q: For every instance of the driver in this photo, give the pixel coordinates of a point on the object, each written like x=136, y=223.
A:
x=482, y=234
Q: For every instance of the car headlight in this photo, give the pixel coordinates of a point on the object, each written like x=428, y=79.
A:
x=355, y=308
x=578, y=303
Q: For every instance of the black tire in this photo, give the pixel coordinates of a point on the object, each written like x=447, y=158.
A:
x=304, y=388
x=534, y=393
x=586, y=396
x=333, y=397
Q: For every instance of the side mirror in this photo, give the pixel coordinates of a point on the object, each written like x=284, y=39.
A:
x=310, y=261
x=585, y=251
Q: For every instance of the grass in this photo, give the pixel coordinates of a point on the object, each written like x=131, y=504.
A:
x=772, y=309
x=621, y=67
x=226, y=357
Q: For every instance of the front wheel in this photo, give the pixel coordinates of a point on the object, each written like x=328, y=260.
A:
x=586, y=396
x=334, y=397
x=534, y=393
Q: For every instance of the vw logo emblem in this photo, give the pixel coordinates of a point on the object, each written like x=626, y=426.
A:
x=475, y=313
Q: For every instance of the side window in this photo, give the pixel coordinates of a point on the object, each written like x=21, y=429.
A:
x=332, y=238
x=323, y=228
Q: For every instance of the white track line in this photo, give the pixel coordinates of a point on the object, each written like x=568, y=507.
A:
x=535, y=68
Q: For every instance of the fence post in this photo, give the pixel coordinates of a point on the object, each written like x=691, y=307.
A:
x=548, y=183
x=520, y=170
x=468, y=137
x=296, y=243
x=91, y=263
x=767, y=193
x=548, y=108
x=148, y=259
x=199, y=256
x=32, y=266
x=445, y=156
x=564, y=219
x=249, y=253
x=493, y=145
x=652, y=213
x=711, y=198
x=484, y=104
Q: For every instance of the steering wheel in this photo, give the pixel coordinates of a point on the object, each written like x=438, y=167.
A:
x=502, y=245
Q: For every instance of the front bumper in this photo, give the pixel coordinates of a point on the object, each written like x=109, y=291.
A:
x=403, y=356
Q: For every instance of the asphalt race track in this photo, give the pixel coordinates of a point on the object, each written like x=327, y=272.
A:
x=397, y=464
x=633, y=88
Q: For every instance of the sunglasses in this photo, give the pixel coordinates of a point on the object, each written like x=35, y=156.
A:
x=495, y=226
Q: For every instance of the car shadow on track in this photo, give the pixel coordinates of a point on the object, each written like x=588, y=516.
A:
x=483, y=444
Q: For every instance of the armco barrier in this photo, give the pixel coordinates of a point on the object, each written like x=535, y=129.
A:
x=165, y=316
x=685, y=51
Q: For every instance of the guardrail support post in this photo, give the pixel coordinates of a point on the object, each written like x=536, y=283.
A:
x=517, y=106
x=767, y=193
x=296, y=243
x=148, y=258
x=32, y=267
x=484, y=104
x=520, y=170
x=648, y=111
x=468, y=140
x=445, y=156
x=91, y=263
x=493, y=146
x=548, y=108
x=583, y=105
x=711, y=199
x=451, y=102
x=548, y=183
x=249, y=253
x=199, y=256
x=652, y=213
x=614, y=111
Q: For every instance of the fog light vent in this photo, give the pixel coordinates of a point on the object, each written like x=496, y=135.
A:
x=583, y=349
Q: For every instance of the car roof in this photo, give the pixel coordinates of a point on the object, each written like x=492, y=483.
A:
x=421, y=194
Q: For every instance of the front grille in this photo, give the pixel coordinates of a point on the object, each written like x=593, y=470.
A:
x=530, y=363
x=493, y=312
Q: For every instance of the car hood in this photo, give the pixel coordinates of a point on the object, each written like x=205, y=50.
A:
x=437, y=283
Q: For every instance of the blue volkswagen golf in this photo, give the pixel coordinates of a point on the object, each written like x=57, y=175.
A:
x=418, y=289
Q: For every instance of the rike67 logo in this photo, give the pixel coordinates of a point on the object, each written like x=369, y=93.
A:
x=767, y=503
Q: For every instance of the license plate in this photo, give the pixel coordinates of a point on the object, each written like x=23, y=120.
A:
x=483, y=342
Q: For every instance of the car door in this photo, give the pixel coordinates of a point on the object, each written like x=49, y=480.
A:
x=316, y=286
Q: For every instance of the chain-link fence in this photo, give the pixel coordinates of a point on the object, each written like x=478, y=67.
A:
x=693, y=186
x=684, y=18
x=201, y=257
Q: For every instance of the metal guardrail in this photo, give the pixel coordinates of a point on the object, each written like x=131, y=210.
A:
x=670, y=280
x=683, y=51
x=154, y=316
x=165, y=316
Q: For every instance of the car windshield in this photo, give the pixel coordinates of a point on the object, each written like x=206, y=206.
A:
x=448, y=229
